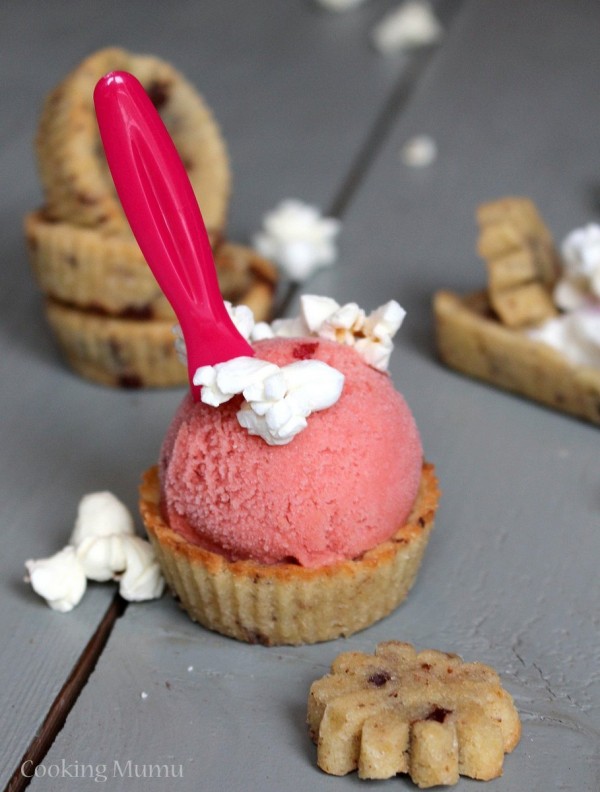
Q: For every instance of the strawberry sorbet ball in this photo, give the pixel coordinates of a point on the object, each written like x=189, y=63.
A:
x=341, y=486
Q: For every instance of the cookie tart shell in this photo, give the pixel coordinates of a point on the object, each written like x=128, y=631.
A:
x=287, y=603
x=115, y=351
x=108, y=274
x=77, y=184
x=471, y=340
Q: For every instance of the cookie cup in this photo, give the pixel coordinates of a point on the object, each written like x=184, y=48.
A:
x=286, y=603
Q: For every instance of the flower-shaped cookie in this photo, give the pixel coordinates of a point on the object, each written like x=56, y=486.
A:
x=428, y=714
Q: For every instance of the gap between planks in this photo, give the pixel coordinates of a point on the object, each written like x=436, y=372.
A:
x=68, y=695
x=398, y=98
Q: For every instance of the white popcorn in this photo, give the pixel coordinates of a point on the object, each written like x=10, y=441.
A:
x=290, y=328
x=385, y=321
x=219, y=383
x=570, y=293
x=412, y=24
x=576, y=335
x=101, y=514
x=103, y=546
x=128, y=559
x=315, y=310
x=419, y=152
x=343, y=325
x=261, y=331
x=348, y=324
x=580, y=283
x=277, y=400
x=102, y=557
x=298, y=238
x=60, y=579
x=142, y=578
x=375, y=353
x=242, y=317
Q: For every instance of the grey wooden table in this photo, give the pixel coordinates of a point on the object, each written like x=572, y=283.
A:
x=310, y=110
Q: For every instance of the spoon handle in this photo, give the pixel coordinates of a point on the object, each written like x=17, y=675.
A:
x=161, y=207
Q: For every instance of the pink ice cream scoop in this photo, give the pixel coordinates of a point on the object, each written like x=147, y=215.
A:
x=343, y=485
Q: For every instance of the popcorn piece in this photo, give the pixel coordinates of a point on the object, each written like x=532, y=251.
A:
x=315, y=311
x=580, y=283
x=412, y=24
x=290, y=328
x=385, y=321
x=142, y=578
x=60, y=579
x=370, y=335
x=261, y=331
x=347, y=324
x=242, y=318
x=277, y=400
x=576, y=335
x=219, y=383
x=428, y=714
x=103, y=546
x=419, y=152
x=101, y=514
x=298, y=238
x=102, y=557
x=319, y=316
x=343, y=325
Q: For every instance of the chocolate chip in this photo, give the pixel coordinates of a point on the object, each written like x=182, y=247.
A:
x=137, y=312
x=379, y=678
x=86, y=200
x=130, y=381
x=158, y=91
x=438, y=714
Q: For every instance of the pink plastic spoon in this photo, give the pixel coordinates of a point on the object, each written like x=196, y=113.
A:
x=161, y=207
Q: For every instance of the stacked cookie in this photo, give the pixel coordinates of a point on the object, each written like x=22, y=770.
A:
x=107, y=312
x=522, y=261
x=490, y=334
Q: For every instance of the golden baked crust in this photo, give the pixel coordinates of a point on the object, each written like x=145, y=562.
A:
x=77, y=183
x=428, y=714
x=484, y=334
x=125, y=353
x=521, y=259
x=471, y=340
x=109, y=315
x=111, y=320
x=83, y=268
x=287, y=603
